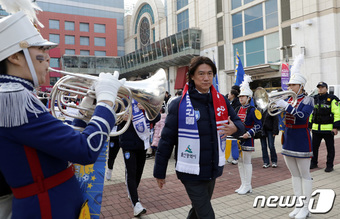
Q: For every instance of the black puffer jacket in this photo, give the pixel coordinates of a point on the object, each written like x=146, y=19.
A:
x=209, y=168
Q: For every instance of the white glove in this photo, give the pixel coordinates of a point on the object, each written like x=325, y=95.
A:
x=87, y=103
x=281, y=104
x=107, y=86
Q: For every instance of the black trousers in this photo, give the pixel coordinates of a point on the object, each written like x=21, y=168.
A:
x=200, y=193
x=113, y=151
x=134, y=166
x=316, y=141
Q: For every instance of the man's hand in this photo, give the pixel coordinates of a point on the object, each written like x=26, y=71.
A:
x=246, y=135
x=228, y=129
x=160, y=182
x=335, y=131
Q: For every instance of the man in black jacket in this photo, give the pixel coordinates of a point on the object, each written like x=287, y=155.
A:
x=5, y=198
x=199, y=151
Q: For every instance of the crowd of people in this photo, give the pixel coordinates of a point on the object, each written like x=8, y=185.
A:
x=36, y=178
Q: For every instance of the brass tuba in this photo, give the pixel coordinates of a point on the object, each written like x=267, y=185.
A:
x=149, y=93
x=263, y=100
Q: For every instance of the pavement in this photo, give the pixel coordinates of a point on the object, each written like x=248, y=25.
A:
x=172, y=202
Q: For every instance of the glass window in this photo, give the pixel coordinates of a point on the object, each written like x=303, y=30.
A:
x=186, y=39
x=236, y=4
x=154, y=53
x=100, y=53
x=84, y=41
x=164, y=50
x=179, y=41
x=285, y=10
x=255, y=51
x=99, y=28
x=183, y=21
x=70, y=51
x=55, y=63
x=219, y=6
x=220, y=29
x=247, y=1
x=272, y=43
x=55, y=38
x=99, y=41
x=253, y=19
x=158, y=49
x=168, y=46
x=287, y=39
x=237, y=25
x=69, y=39
x=181, y=4
x=54, y=24
x=174, y=44
x=84, y=27
x=85, y=52
x=69, y=25
x=221, y=57
x=271, y=14
x=144, y=32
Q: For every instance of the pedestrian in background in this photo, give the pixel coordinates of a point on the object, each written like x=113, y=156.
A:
x=270, y=128
x=134, y=143
x=113, y=151
x=324, y=122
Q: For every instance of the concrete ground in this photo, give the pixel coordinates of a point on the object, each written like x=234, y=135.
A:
x=172, y=201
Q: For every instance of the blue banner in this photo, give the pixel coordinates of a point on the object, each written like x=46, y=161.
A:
x=91, y=182
x=239, y=71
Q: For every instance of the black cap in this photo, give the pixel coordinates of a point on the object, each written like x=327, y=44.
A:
x=322, y=84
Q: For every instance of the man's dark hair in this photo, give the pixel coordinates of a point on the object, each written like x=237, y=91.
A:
x=3, y=67
x=236, y=87
x=197, y=61
x=234, y=92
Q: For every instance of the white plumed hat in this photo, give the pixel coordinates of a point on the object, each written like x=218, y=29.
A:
x=17, y=32
x=296, y=77
x=244, y=87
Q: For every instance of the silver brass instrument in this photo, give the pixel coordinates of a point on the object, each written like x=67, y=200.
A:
x=263, y=100
x=149, y=93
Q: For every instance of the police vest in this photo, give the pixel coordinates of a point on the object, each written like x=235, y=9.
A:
x=322, y=113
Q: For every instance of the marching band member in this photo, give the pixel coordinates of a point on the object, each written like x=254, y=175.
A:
x=297, y=148
x=36, y=147
x=251, y=118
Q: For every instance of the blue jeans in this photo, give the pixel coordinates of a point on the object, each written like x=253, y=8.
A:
x=270, y=138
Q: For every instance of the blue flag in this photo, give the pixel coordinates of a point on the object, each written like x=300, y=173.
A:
x=215, y=79
x=239, y=71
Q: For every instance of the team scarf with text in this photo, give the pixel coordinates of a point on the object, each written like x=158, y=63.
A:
x=188, y=154
x=141, y=125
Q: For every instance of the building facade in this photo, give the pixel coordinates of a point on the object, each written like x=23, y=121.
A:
x=265, y=33
x=88, y=33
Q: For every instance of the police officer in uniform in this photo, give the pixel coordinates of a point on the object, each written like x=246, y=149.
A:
x=324, y=122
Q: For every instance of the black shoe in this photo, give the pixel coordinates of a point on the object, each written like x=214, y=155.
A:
x=148, y=155
x=329, y=169
x=313, y=166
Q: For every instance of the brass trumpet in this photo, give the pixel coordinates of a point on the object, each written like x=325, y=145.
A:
x=149, y=93
x=263, y=100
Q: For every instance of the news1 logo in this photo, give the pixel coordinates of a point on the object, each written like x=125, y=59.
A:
x=322, y=205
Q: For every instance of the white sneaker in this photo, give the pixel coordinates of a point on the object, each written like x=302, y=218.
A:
x=138, y=209
x=108, y=174
x=234, y=162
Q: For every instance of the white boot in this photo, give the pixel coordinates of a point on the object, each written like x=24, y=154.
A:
x=241, y=171
x=248, y=172
x=297, y=188
x=306, y=191
x=108, y=174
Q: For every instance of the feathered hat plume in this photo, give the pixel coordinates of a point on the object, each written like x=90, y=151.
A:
x=298, y=61
x=244, y=86
x=29, y=7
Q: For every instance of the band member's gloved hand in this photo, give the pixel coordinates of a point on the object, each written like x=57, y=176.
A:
x=107, y=86
x=282, y=104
